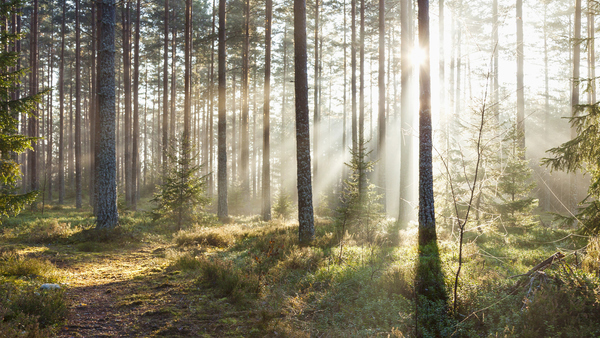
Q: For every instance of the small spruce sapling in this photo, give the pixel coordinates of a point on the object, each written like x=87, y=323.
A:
x=181, y=196
x=359, y=212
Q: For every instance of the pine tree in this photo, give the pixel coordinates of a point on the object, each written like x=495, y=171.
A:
x=182, y=194
x=10, y=141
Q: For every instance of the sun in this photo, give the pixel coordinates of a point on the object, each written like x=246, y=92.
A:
x=418, y=56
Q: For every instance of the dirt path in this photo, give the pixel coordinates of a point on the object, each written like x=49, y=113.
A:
x=110, y=294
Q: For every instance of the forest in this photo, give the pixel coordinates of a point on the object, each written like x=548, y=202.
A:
x=299, y=168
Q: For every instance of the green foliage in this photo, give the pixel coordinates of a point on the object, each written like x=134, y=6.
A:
x=582, y=153
x=360, y=206
x=229, y=280
x=515, y=183
x=11, y=143
x=181, y=195
x=283, y=205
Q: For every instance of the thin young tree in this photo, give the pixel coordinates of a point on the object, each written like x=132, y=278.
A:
x=575, y=96
x=306, y=228
x=187, y=106
x=165, y=120
x=107, y=215
x=61, y=93
x=78, y=112
x=381, y=83
x=266, y=165
x=520, y=84
x=135, y=161
x=127, y=158
x=222, y=211
x=244, y=132
x=316, y=103
x=32, y=124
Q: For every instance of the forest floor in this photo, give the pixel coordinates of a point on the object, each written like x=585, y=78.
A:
x=250, y=278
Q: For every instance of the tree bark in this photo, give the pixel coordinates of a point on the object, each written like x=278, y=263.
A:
x=245, y=142
x=165, y=120
x=107, y=215
x=135, y=160
x=32, y=124
x=381, y=118
x=405, y=212
x=222, y=124
x=266, y=166
x=61, y=93
x=306, y=229
x=127, y=158
x=520, y=84
x=78, y=159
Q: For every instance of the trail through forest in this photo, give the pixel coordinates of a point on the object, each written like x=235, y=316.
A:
x=127, y=293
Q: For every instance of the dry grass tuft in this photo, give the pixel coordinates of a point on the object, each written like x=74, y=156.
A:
x=215, y=237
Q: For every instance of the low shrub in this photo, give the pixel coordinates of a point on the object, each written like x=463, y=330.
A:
x=231, y=281
x=17, y=266
x=215, y=237
x=47, y=231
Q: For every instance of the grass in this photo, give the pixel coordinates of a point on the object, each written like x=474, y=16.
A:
x=252, y=278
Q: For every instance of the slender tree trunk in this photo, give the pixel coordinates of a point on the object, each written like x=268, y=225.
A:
x=165, y=120
x=210, y=134
x=50, y=118
x=381, y=83
x=61, y=93
x=520, y=84
x=33, y=89
x=107, y=215
x=187, y=107
x=316, y=112
x=78, y=159
x=495, y=41
x=575, y=95
x=173, y=117
x=404, y=213
x=283, y=126
x=135, y=160
x=127, y=158
x=93, y=106
x=222, y=124
x=353, y=76
x=361, y=104
x=345, y=103
x=245, y=144
x=591, y=52
x=233, y=133
x=306, y=229
x=266, y=164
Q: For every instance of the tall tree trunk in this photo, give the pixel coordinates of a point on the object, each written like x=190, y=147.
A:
x=93, y=106
x=233, y=133
x=361, y=105
x=165, y=120
x=406, y=147
x=382, y=121
x=353, y=76
x=266, y=163
x=545, y=191
x=187, y=107
x=135, y=161
x=591, y=52
x=50, y=118
x=107, y=215
x=306, y=229
x=78, y=159
x=222, y=124
x=33, y=89
x=316, y=112
x=283, y=126
x=520, y=84
x=575, y=96
x=245, y=144
x=126, y=18
x=210, y=134
x=429, y=276
x=61, y=93
x=173, y=117
x=495, y=41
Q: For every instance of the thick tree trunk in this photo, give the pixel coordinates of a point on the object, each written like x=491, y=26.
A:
x=306, y=229
x=266, y=163
x=107, y=215
x=222, y=124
